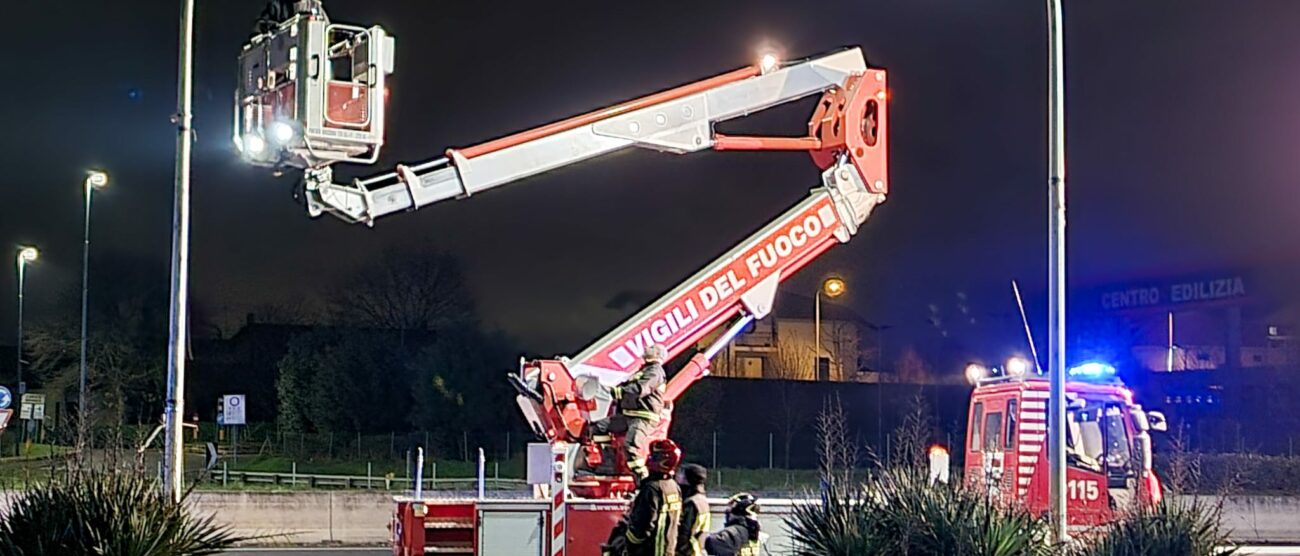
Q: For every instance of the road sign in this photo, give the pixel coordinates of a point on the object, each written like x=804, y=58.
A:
x=5, y=414
x=33, y=407
x=233, y=409
x=6, y=397
x=209, y=456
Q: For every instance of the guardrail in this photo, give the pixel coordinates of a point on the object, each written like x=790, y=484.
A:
x=311, y=480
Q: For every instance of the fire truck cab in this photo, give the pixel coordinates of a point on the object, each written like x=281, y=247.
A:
x=1108, y=444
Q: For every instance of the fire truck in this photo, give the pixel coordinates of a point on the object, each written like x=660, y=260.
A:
x=312, y=93
x=1108, y=441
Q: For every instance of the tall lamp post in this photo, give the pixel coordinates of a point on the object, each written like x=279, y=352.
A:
x=26, y=256
x=178, y=317
x=94, y=180
x=1056, y=269
x=832, y=287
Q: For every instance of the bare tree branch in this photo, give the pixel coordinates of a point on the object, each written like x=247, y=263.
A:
x=407, y=291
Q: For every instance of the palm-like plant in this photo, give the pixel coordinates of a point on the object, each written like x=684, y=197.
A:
x=1191, y=528
x=108, y=514
x=900, y=513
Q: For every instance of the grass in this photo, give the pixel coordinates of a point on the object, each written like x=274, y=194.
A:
x=32, y=451
x=280, y=464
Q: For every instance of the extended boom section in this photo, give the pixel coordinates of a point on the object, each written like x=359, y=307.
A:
x=677, y=121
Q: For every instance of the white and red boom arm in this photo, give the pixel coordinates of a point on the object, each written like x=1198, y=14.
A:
x=678, y=121
x=741, y=283
x=744, y=280
x=847, y=137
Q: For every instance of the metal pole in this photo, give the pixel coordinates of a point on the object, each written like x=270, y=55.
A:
x=22, y=267
x=482, y=477
x=1056, y=267
x=22, y=387
x=1169, y=356
x=715, y=449
x=419, y=473
x=174, y=476
x=1029, y=334
x=85, y=297
x=817, y=334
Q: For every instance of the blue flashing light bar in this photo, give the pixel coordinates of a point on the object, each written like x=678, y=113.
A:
x=1092, y=370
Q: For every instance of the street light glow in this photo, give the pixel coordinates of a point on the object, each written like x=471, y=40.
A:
x=768, y=62
x=833, y=287
x=96, y=179
x=28, y=254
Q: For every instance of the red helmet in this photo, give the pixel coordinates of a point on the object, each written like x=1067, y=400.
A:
x=664, y=457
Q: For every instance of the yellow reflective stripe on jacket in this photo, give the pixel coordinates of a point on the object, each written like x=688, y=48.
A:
x=672, y=509
x=642, y=414
x=703, y=522
x=632, y=538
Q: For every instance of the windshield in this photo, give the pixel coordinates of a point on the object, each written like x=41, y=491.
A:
x=1096, y=435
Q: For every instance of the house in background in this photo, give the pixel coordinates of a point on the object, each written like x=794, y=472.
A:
x=784, y=345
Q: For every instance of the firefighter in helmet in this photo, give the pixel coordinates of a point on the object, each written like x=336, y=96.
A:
x=740, y=536
x=650, y=526
x=695, y=522
x=640, y=402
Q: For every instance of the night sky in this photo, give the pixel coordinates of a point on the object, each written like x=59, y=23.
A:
x=1183, y=125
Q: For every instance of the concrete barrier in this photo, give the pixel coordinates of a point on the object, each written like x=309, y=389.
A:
x=361, y=518
x=345, y=518
x=1261, y=519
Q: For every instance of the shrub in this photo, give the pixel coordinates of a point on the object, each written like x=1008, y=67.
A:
x=1229, y=473
x=899, y=513
x=1174, y=527
x=109, y=514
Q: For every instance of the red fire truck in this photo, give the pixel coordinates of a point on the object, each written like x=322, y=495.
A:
x=1108, y=442
x=313, y=93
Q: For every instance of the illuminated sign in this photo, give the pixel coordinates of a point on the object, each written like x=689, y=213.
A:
x=1190, y=292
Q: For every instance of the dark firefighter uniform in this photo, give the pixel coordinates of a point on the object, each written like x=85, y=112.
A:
x=652, y=523
x=640, y=403
x=740, y=536
x=650, y=526
x=696, y=521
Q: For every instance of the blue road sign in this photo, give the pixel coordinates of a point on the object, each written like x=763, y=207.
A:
x=6, y=398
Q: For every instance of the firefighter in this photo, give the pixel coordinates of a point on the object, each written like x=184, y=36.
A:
x=650, y=526
x=740, y=535
x=639, y=401
x=695, y=522
x=280, y=11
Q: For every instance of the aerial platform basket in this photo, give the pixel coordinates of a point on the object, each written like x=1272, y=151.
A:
x=312, y=93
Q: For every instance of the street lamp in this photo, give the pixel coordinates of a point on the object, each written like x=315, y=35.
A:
x=94, y=180
x=832, y=287
x=26, y=256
